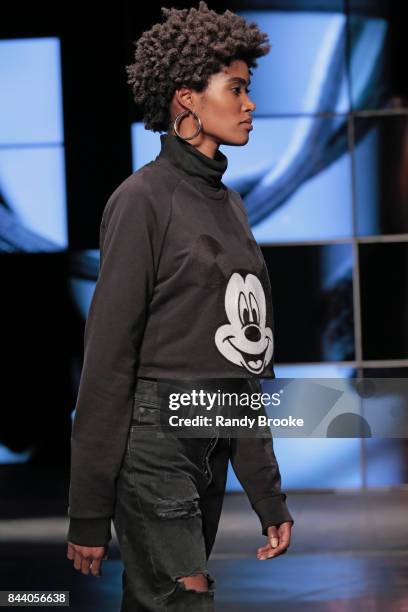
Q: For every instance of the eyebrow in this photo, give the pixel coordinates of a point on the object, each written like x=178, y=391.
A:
x=240, y=79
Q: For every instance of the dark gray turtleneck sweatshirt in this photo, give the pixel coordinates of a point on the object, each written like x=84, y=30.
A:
x=182, y=292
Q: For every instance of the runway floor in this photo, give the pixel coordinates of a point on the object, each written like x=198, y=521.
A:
x=349, y=551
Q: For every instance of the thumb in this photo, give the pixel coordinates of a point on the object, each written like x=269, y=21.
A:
x=273, y=536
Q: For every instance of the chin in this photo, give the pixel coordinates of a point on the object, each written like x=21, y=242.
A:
x=237, y=139
x=245, y=138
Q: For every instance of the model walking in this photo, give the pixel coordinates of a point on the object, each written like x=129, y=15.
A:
x=182, y=293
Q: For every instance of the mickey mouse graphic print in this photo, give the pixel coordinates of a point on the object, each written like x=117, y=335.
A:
x=245, y=339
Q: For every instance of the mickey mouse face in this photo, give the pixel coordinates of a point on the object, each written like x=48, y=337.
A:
x=245, y=340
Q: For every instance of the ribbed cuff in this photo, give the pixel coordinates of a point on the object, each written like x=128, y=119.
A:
x=272, y=511
x=89, y=532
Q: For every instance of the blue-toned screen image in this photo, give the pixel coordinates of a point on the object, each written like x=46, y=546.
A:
x=32, y=166
x=294, y=175
x=381, y=174
x=367, y=62
x=337, y=63
x=145, y=145
x=8, y=456
x=307, y=77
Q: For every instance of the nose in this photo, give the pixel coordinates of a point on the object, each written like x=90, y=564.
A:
x=252, y=104
x=252, y=333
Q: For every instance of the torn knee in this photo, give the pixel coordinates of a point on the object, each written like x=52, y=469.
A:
x=196, y=582
x=200, y=581
x=184, y=589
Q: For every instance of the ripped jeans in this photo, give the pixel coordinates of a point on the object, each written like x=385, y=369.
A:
x=168, y=505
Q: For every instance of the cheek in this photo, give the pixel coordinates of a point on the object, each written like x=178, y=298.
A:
x=221, y=115
x=222, y=108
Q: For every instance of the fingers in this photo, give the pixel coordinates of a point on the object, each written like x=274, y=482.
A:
x=267, y=552
x=70, y=551
x=78, y=560
x=85, y=563
x=273, y=537
x=284, y=540
x=278, y=542
x=264, y=549
x=87, y=559
x=96, y=567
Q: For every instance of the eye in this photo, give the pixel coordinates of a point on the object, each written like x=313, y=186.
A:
x=239, y=90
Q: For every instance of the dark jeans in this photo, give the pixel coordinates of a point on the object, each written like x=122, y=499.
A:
x=169, y=498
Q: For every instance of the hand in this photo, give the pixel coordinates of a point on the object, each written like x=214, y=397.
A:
x=87, y=558
x=278, y=541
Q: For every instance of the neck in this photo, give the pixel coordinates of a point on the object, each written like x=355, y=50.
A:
x=204, y=171
x=204, y=144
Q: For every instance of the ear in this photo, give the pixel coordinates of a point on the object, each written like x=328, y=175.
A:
x=184, y=98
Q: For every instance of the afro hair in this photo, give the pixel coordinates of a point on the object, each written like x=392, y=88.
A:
x=184, y=51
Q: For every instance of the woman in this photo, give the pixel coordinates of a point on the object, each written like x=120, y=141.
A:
x=182, y=293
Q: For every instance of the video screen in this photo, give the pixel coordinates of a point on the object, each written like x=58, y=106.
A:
x=33, y=216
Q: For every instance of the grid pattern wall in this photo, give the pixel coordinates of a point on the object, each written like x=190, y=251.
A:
x=329, y=206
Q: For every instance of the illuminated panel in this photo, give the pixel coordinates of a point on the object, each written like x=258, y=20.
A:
x=32, y=168
x=305, y=71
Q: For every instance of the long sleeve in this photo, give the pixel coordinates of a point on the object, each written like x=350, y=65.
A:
x=253, y=459
x=130, y=235
x=256, y=467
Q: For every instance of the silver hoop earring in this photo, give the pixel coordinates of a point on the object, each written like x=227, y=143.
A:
x=179, y=117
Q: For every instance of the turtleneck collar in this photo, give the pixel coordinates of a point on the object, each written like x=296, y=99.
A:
x=204, y=172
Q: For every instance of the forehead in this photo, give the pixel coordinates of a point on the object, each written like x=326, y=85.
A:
x=237, y=69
